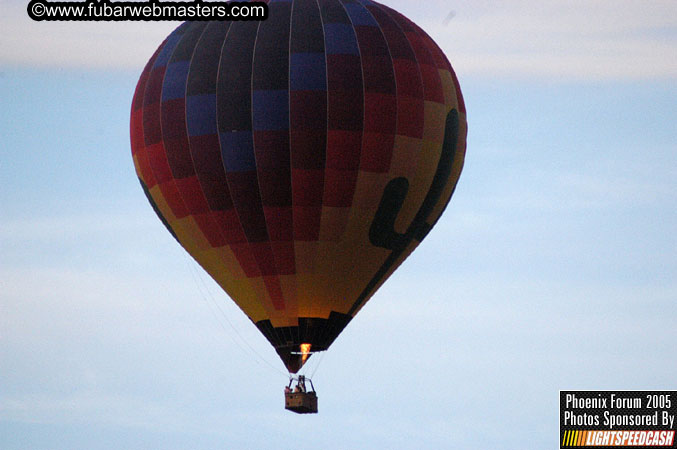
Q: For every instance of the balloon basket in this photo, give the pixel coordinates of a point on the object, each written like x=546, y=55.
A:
x=301, y=402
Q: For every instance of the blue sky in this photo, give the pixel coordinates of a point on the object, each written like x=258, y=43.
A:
x=554, y=267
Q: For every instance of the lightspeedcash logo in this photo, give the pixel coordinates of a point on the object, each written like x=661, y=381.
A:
x=618, y=439
x=618, y=419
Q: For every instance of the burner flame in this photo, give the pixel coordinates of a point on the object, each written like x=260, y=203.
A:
x=305, y=352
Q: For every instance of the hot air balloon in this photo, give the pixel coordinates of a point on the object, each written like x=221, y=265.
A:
x=299, y=159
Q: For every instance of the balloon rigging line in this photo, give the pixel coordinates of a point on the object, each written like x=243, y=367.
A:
x=214, y=304
x=211, y=307
x=237, y=333
x=318, y=364
x=195, y=274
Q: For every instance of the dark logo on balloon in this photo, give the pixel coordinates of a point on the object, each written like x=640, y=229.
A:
x=382, y=232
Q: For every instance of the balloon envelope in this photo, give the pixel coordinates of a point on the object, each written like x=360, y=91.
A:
x=299, y=159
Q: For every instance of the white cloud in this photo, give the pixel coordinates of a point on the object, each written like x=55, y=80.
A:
x=101, y=45
x=585, y=190
x=599, y=40
x=91, y=224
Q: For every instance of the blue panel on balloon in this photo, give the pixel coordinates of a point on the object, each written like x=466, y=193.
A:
x=201, y=114
x=340, y=39
x=271, y=110
x=359, y=15
x=308, y=72
x=174, y=84
x=167, y=50
x=237, y=150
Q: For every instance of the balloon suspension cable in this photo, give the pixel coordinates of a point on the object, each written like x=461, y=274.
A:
x=215, y=304
x=317, y=366
x=315, y=363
